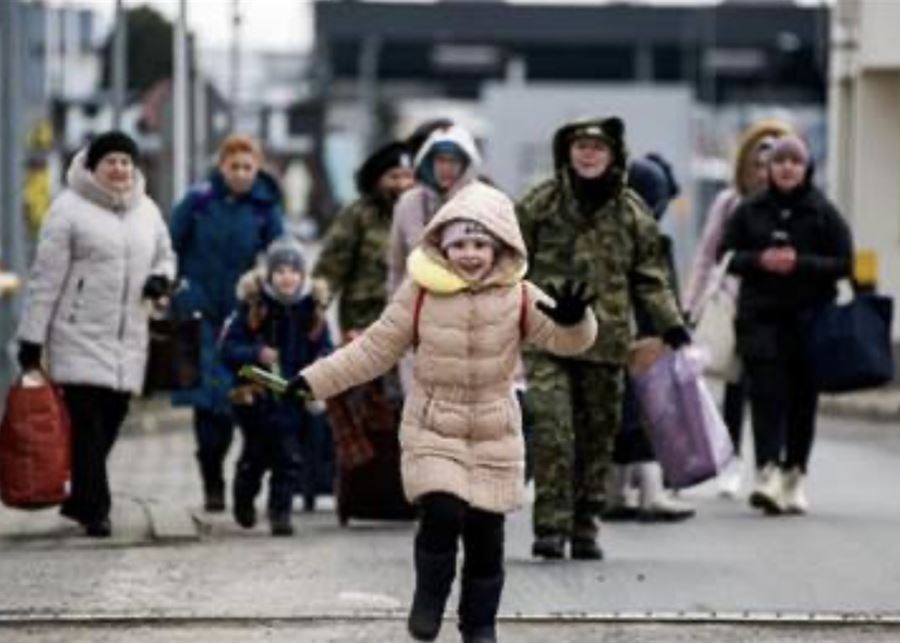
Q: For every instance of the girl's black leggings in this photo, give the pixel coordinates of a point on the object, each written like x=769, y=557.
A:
x=445, y=518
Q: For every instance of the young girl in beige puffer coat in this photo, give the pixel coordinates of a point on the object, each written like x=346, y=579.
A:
x=465, y=310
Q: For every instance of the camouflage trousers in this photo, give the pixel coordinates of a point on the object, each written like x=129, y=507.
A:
x=576, y=411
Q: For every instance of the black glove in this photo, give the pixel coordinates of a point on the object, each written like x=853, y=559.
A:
x=571, y=303
x=29, y=356
x=156, y=286
x=298, y=386
x=676, y=337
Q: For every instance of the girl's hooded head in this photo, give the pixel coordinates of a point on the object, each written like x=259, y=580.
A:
x=478, y=222
x=285, y=268
x=470, y=248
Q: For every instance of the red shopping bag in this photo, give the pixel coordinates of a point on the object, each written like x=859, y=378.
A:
x=35, y=447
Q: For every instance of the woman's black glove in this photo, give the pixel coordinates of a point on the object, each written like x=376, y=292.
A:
x=29, y=356
x=571, y=303
x=676, y=337
x=156, y=287
x=298, y=386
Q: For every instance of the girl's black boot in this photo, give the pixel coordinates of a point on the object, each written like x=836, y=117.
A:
x=434, y=577
x=479, y=601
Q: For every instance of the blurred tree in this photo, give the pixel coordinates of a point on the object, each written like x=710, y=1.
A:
x=149, y=49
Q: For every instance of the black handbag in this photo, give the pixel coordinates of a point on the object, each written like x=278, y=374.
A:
x=173, y=361
x=850, y=344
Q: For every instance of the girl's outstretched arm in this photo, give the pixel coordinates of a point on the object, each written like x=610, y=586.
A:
x=372, y=353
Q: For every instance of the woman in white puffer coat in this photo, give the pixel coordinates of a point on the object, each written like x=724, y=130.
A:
x=103, y=250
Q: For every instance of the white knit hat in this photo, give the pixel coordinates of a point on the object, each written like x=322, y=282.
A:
x=461, y=229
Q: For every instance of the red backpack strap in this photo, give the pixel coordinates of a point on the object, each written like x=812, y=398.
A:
x=417, y=312
x=523, y=312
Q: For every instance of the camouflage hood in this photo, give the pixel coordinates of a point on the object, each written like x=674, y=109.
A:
x=611, y=130
x=479, y=202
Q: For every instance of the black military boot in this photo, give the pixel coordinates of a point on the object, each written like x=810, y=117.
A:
x=434, y=577
x=585, y=549
x=478, y=604
x=549, y=546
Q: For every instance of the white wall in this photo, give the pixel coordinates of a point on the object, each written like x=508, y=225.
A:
x=865, y=129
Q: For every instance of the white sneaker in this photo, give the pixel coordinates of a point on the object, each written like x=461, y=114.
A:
x=793, y=494
x=768, y=490
x=730, y=479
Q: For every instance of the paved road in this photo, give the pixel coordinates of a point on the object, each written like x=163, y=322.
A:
x=843, y=559
x=384, y=631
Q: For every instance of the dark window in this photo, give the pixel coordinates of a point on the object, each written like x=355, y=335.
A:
x=561, y=62
x=668, y=63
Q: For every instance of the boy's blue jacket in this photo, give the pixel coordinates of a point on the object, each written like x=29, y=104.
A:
x=297, y=331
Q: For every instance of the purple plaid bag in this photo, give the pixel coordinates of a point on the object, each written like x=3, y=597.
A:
x=683, y=423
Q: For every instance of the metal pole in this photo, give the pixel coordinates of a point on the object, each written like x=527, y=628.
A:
x=12, y=225
x=180, y=106
x=120, y=72
x=200, y=122
x=235, y=62
x=368, y=89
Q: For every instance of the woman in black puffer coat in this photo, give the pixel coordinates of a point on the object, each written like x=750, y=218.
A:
x=791, y=247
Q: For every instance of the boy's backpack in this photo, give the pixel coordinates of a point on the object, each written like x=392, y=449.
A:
x=420, y=300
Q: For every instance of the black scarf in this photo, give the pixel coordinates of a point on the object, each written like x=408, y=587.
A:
x=592, y=194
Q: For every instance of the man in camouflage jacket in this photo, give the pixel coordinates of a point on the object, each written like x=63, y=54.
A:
x=353, y=262
x=585, y=224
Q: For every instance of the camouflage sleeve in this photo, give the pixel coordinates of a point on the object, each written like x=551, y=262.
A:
x=649, y=278
x=528, y=211
x=335, y=263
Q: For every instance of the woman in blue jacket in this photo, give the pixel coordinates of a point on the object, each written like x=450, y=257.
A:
x=218, y=230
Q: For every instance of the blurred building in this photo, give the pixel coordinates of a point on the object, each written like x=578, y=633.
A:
x=769, y=50
x=385, y=65
x=865, y=129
